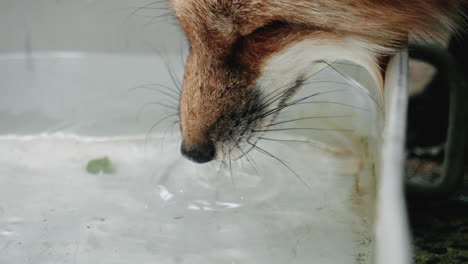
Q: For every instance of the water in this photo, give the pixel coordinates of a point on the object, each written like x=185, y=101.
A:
x=159, y=208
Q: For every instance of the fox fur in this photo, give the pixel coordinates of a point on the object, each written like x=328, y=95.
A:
x=240, y=50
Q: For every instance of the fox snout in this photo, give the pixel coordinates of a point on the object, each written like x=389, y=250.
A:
x=199, y=153
x=217, y=115
x=221, y=131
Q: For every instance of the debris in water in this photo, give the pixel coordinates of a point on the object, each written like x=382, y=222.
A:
x=101, y=165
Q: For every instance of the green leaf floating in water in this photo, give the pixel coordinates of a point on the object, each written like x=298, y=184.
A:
x=103, y=165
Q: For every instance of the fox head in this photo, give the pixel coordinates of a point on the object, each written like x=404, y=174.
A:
x=248, y=57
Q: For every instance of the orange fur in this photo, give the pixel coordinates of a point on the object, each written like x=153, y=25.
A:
x=230, y=41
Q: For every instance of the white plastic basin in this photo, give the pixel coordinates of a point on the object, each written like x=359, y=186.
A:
x=335, y=196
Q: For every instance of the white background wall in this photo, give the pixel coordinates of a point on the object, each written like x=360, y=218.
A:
x=86, y=25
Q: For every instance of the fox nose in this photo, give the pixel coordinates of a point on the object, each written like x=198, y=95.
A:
x=200, y=153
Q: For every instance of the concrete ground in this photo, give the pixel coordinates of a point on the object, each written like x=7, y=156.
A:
x=439, y=228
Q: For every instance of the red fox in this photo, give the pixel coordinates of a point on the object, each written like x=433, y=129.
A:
x=248, y=57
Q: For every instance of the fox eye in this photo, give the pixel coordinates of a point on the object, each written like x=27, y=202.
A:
x=270, y=26
x=261, y=34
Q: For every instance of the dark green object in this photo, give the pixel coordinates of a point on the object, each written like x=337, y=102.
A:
x=452, y=177
x=101, y=165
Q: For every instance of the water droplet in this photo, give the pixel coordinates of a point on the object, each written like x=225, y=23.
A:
x=164, y=193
